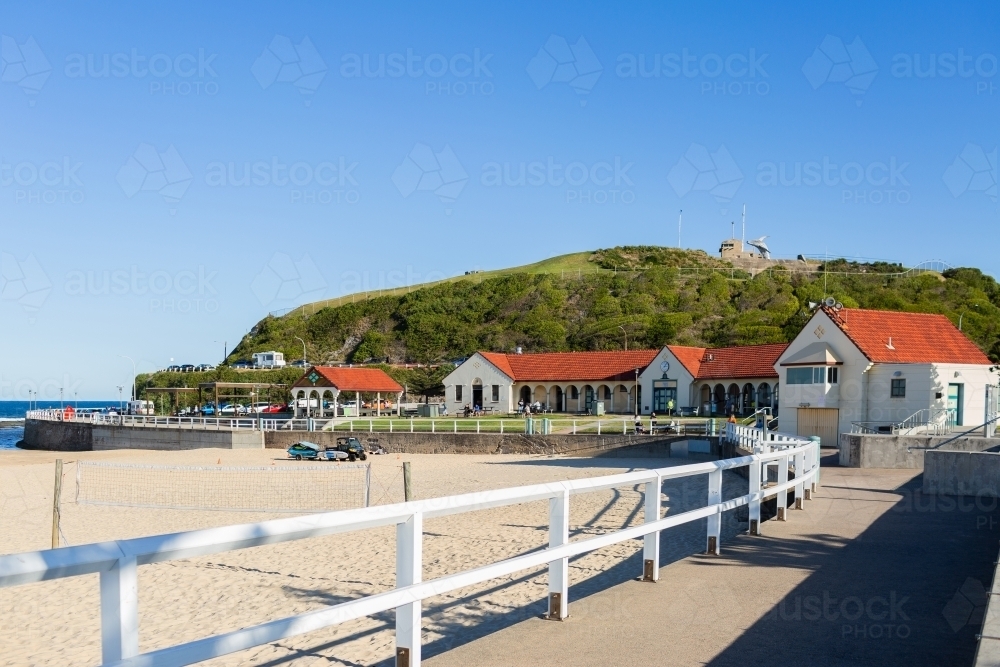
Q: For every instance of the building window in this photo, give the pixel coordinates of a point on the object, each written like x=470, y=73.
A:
x=898, y=389
x=831, y=374
x=458, y=392
x=800, y=376
x=496, y=393
x=574, y=393
x=607, y=393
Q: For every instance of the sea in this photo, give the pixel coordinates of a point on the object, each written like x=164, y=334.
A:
x=12, y=416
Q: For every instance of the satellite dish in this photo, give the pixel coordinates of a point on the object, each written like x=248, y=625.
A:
x=765, y=252
x=812, y=305
x=829, y=302
x=838, y=306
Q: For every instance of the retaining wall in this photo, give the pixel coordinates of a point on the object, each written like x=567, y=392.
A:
x=890, y=451
x=962, y=473
x=60, y=436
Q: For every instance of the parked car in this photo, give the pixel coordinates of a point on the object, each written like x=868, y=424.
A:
x=187, y=368
x=241, y=365
x=208, y=410
x=257, y=408
x=332, y=454
x=204, y=367
x=173, y=369
x=352, y=447
x=304, y=450
x=230, y=409
x=275, y=408
x=301, y=363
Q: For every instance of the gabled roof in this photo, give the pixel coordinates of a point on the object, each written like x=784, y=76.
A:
x=349, y=379
x=814, y=354
x=747, y=361
x=570, y=366
x=906, y=338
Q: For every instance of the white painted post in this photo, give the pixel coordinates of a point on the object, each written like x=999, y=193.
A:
x=574, y=427
x=815, y=467
x=624, y=427
x=120, y=611
x=371, y=426
x=455, y=427
x=598, y=427
x=501, y=427
x=755, y=503
x=800, y=469
x=390, y=424
x=559, y=569
x=409, y=570
x=432, y=426
x=477, y=426
x=782, y=499
x=715, y=520
x=651, y=542
x=411, y=425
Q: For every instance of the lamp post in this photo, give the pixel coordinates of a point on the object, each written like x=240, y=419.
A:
x=975, y=305
x=133, y=373
x=60, y=398
x=120, y=387
x=626, y=336
x=304, y=359
x=225, y=350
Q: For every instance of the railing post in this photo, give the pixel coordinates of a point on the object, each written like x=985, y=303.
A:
x=501, y=427
x=755, y=502
x=712, y=547
x=120, y=611
x=800, y=470
x=409, y=569
x=454, y=428
x=559, y=569
x=782, y=499
x=651, y=542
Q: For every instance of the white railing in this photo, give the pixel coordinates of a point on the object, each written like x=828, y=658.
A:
x=760, y=440
x=118, y=562
x=537, y=425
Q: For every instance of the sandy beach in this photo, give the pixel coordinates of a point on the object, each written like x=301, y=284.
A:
x=57, y=623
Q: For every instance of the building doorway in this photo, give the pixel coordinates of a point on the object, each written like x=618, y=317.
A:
x=664, y=395
x=477, y=395
x=819, y=421
x=955, y=400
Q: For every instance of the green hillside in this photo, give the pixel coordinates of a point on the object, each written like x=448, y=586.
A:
x=592, y=301
x=583, y=301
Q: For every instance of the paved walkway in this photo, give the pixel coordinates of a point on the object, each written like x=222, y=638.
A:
x=872, y=572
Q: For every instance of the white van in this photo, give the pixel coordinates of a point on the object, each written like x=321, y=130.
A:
x=268, y=359
x=141, y=408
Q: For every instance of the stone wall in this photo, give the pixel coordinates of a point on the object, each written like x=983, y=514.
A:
x=139, y=437
x=897, y=451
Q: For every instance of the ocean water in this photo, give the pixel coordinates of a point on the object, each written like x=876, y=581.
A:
x=12, y=417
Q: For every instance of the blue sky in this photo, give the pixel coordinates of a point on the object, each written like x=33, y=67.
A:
x=130, y=224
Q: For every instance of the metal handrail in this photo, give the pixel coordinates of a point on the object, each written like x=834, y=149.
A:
x=117, y=562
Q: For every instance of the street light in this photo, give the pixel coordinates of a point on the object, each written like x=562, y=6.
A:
x=133, y=373
x=975, y=305
x=637, y=393
x=60, y=398
x=626, y=336
x=120, y=387
x=303, y=350
x=225, y=350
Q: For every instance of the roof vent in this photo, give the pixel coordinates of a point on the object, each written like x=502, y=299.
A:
x=518, y=350
x=710, y=358
x=889, y=344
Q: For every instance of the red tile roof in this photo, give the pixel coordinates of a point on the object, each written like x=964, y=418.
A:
x=351, y=379
x=569, y=366
x=748, y=361
x=916, y=338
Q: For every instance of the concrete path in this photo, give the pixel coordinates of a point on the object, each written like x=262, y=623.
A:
x=872, y=572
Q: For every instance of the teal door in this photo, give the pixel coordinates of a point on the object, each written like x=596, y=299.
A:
x=955, y=396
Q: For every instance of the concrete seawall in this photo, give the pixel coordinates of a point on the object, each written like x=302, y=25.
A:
x=962, y=473
x=61, y=436
x=897, y=451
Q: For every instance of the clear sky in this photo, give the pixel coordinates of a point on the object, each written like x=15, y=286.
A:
x=170, y=173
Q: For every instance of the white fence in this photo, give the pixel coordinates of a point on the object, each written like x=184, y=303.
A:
x=117, y=562
x=388, y=424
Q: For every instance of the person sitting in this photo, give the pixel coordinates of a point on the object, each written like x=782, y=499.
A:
x=638, y=425
x=466, y=411
x=652, y=422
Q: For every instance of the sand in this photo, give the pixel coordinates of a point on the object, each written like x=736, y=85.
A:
x=58, y=622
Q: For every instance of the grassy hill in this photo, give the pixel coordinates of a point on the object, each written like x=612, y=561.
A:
x=593, y=300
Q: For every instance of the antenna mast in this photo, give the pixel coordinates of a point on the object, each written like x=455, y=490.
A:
x=680, y=216
x=744, y=223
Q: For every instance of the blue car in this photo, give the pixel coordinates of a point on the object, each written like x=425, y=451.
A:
x=304, y=450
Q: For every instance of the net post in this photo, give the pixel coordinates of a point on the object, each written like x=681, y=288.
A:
x=56, y=494
x=368, y=485
x=407, y=482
